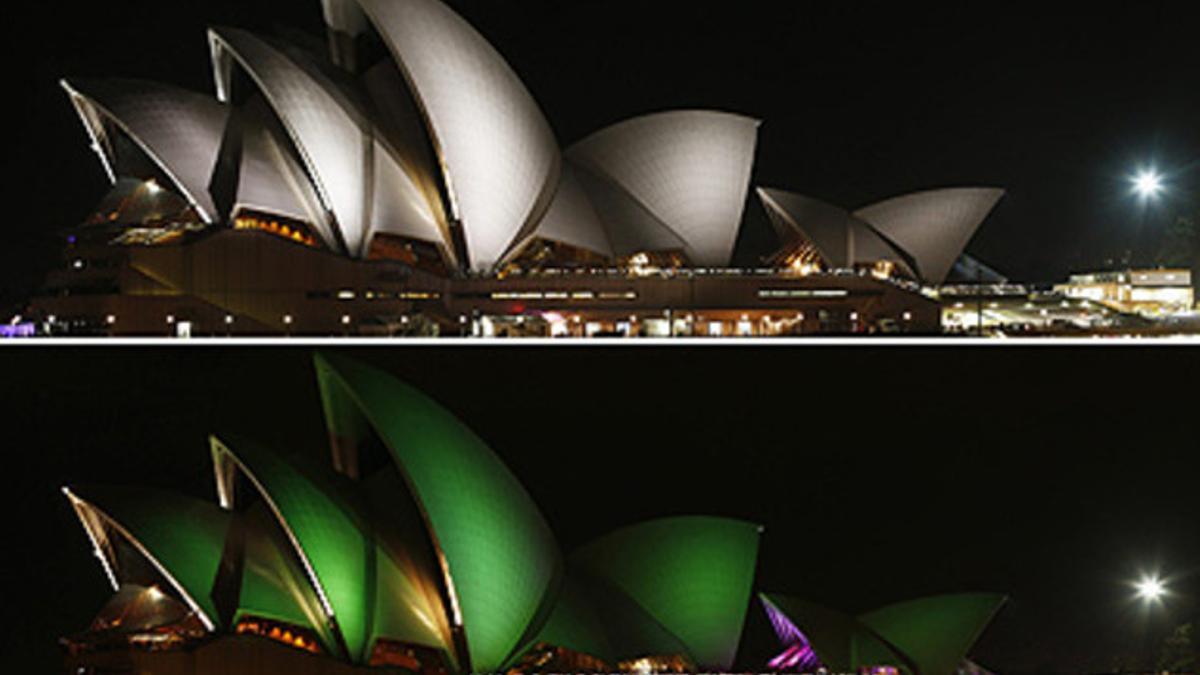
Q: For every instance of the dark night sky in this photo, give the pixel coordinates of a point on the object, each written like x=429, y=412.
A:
x=1054, y=475
x=1056, y=101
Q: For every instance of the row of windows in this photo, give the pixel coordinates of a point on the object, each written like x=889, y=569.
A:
x=348, y=295
x=581, y=296
x=293, y=232
x=279, y=632
x=774, y=294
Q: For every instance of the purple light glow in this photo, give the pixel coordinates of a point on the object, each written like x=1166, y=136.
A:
x=796, y=658
x=787, y=631
x=18, y=330
x=799, y=655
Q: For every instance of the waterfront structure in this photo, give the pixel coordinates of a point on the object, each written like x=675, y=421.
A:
x=1147, y=292
x=1158, y=302
x=401, y=179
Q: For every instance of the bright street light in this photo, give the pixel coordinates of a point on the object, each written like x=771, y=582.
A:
x=1151, y=589
x=1148, y=184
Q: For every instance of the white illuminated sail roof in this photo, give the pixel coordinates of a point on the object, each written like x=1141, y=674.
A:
x=689, y=169
x=498, y=154
x=179, y=130
x=935, y=226
x=325, y=131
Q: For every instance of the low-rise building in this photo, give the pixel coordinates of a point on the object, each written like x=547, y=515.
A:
x=1148, y=293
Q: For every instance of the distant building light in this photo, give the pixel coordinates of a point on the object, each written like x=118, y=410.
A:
x=346, y=295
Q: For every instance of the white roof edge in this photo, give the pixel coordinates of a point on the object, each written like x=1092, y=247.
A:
x=205, y=212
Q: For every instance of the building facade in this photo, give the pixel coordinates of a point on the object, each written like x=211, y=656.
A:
x=1150, y=293
x=401, y=179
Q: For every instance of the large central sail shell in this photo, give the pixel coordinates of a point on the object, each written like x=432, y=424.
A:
x=498, y=154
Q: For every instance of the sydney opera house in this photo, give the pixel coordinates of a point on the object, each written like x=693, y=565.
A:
x=412, y=548
x=399, y=179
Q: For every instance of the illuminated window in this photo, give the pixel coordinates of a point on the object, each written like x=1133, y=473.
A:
x=418, y=295
x=290, y=230
x=292, y=636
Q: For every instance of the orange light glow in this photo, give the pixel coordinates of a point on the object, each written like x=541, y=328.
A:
x=290, y=636
x=293, y=233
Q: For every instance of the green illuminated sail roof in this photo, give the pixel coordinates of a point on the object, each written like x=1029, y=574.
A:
x=327, y=536
x=409, y=602
x=575, y=623
x=936, y=633
x=930, y=636
x=595, y=617
x=272, y=584
x=632, y=631
x=182, y=537
x=370, y=595
x=692, y=575
x=841, y=641
x=499, y=556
